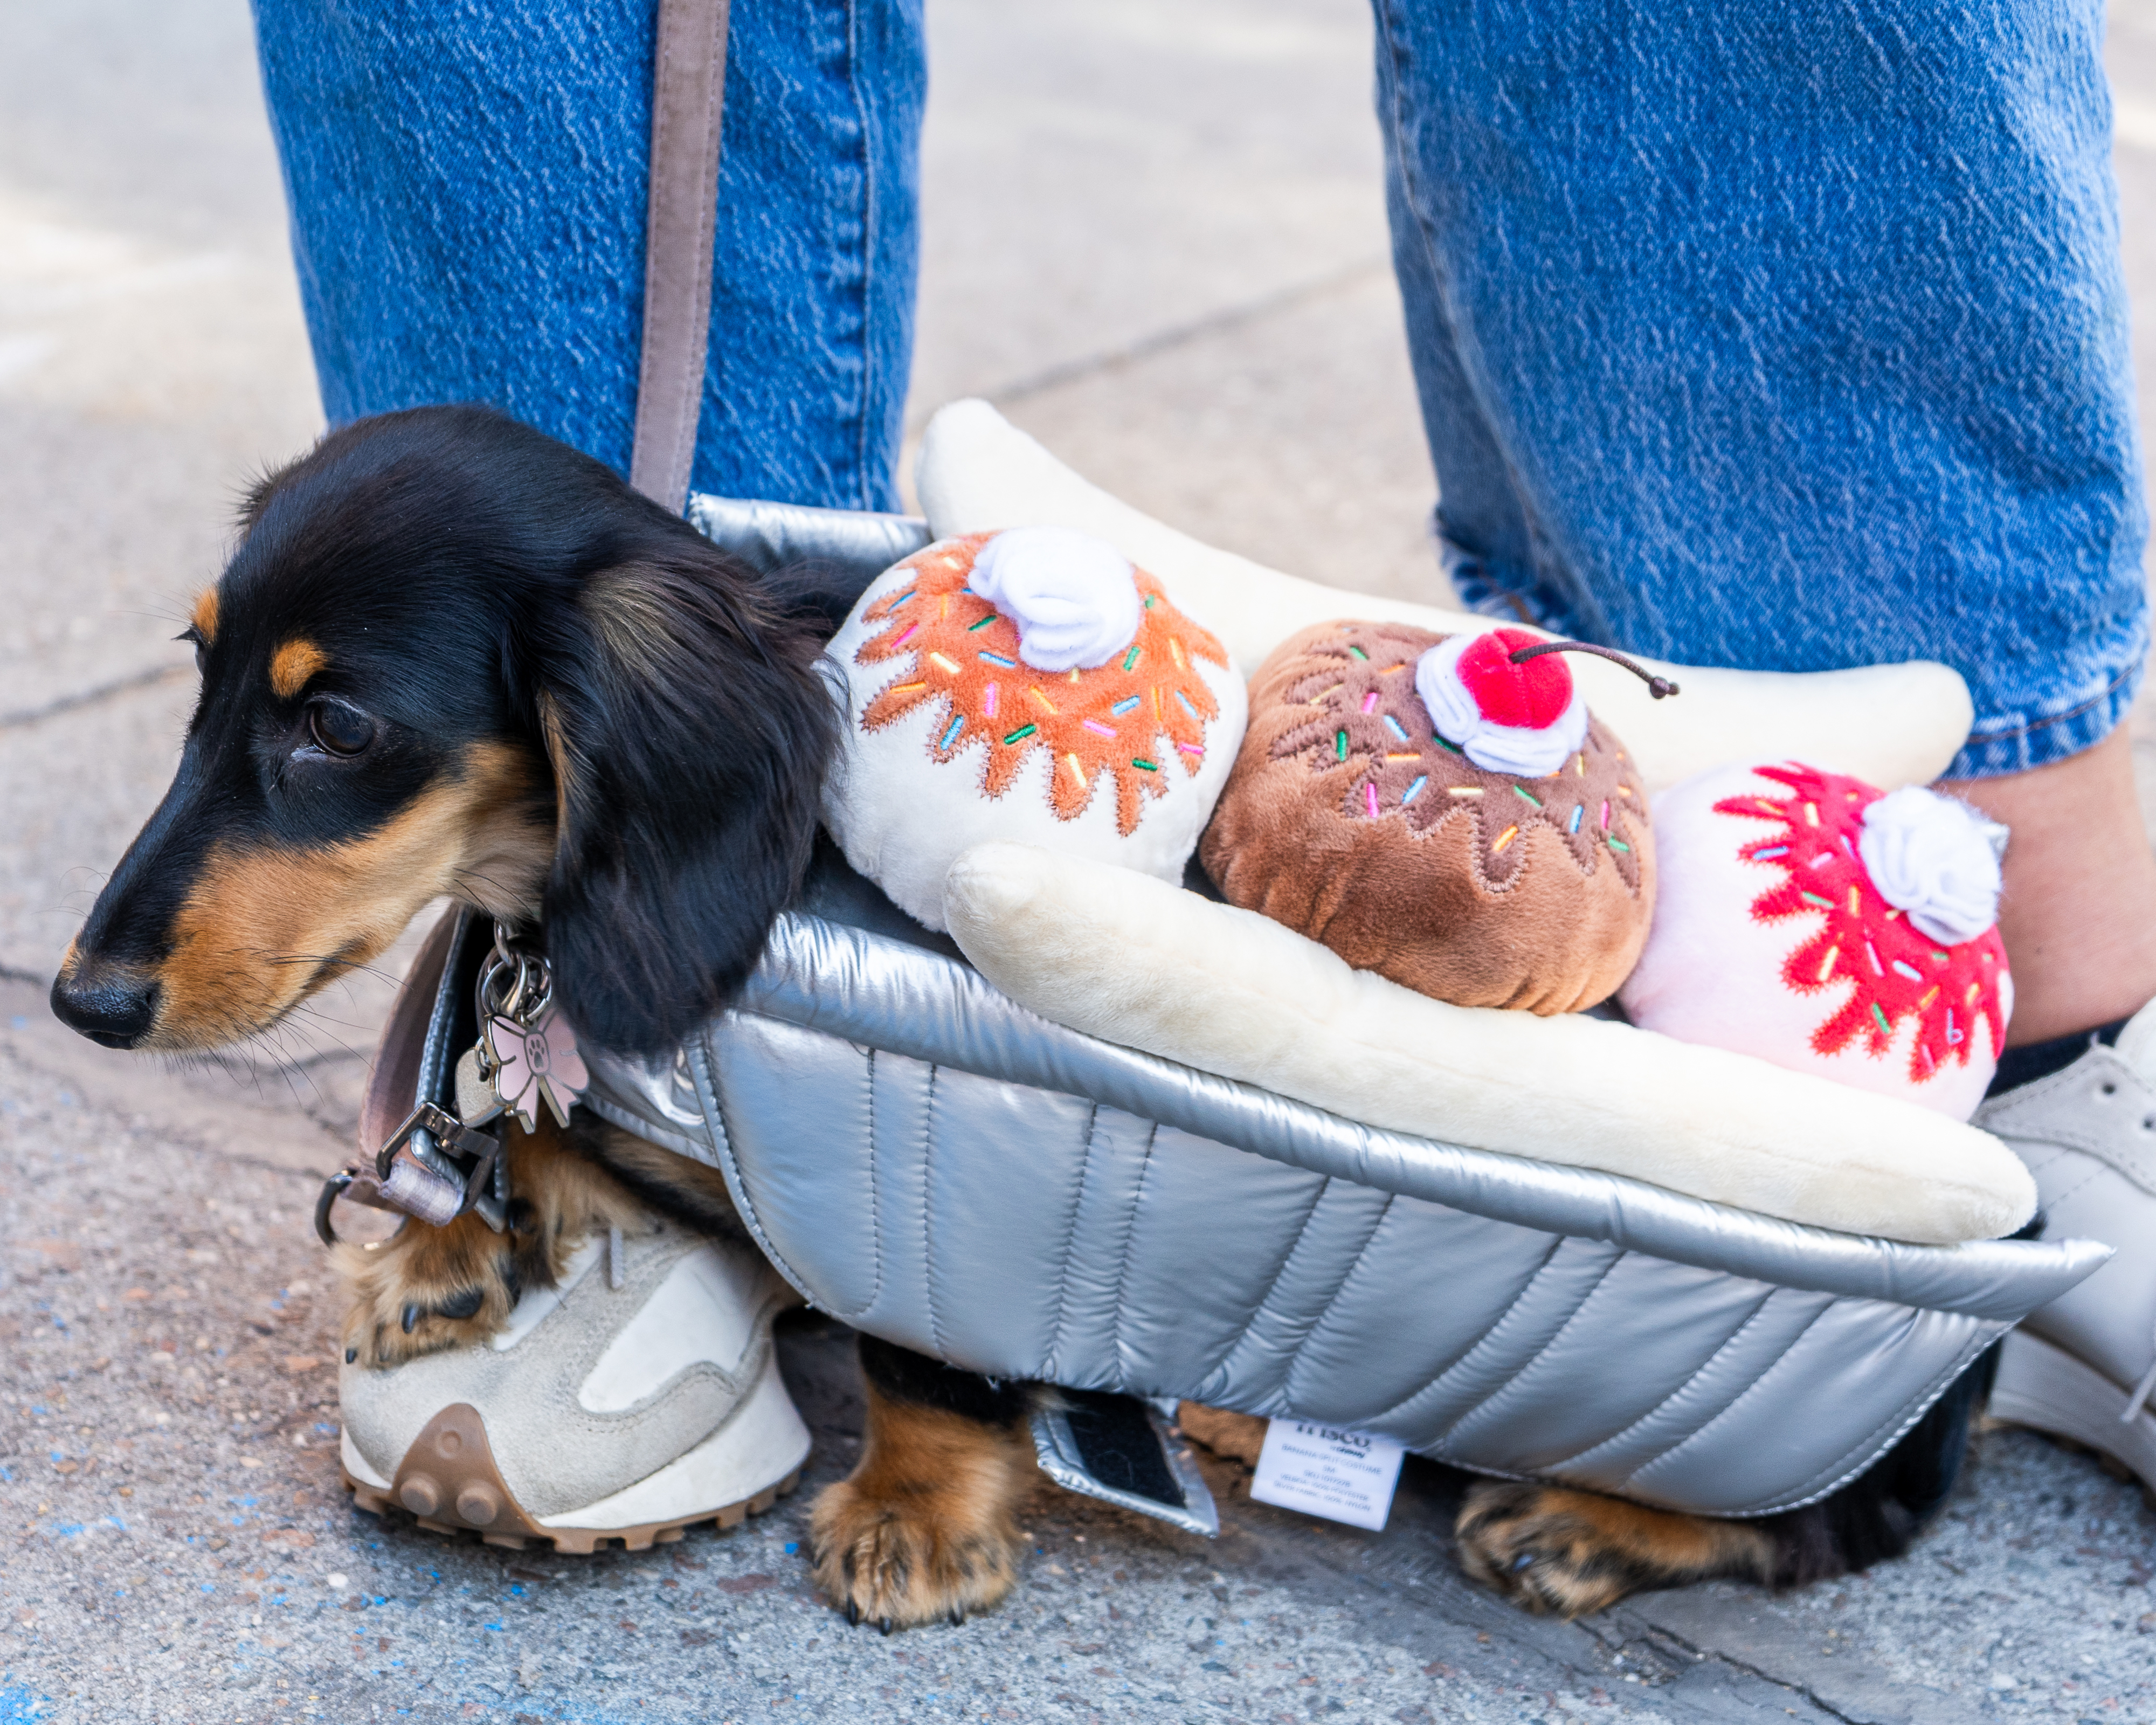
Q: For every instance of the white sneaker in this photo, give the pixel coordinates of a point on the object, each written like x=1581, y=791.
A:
x=2083, y=1366
x=641, y=1397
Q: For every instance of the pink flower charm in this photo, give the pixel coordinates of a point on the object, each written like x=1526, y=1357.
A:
x=536, y=1060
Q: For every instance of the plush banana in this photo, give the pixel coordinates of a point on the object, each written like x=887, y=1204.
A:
x=1132, y=960
x=1890, y=725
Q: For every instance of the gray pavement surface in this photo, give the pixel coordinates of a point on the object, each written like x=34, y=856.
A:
x=1155, y=234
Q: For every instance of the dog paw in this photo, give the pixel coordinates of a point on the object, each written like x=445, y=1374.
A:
x=1565, y=1553
x=428, y=1289
x=899, y=1560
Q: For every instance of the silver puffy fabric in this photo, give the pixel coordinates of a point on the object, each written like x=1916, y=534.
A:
x=932, y=1164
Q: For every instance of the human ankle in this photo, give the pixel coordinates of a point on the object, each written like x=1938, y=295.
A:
x=2078, y=914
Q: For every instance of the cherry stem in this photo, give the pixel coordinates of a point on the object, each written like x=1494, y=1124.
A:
x=1656, y=686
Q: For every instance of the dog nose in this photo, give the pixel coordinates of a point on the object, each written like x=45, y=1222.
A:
x=107, y=1004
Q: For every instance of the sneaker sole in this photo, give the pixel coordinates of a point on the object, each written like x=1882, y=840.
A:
x=2047, y=1390
x=449, y=1483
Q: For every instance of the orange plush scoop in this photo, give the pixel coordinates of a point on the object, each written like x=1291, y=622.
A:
x=1357, y=815
x=1032, y=685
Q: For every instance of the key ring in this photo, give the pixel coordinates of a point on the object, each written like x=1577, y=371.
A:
x=531, y=971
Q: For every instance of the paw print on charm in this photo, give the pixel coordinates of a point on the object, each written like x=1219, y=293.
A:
x=532, y=1061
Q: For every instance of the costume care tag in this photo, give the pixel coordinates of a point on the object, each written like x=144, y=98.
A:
x=1343, y=1475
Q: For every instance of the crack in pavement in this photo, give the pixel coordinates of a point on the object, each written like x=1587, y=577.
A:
x=1703, y=1654
x=25, y=716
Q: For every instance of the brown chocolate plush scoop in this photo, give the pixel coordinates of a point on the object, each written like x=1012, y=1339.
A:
x=1351, y=819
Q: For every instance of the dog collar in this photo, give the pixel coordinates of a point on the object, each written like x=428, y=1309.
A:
x=438, y=1162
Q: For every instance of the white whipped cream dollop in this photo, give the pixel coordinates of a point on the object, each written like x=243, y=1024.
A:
x=1932, y=857
x=1073, y=597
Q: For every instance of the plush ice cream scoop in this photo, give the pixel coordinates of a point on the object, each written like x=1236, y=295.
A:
x=1807, y=919
x=1442, y=809
x=1031, y=685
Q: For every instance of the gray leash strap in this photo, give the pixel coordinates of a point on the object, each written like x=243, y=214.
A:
x=688, y=98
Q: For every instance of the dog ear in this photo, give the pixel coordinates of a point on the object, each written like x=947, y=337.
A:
x=689, y=733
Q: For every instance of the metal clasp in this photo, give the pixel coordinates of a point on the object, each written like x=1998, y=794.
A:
x=434, y=1167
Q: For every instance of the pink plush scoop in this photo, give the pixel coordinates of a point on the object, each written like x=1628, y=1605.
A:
x=1808, y=919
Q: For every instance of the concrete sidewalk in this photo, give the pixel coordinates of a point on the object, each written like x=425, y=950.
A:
x=1155, y=236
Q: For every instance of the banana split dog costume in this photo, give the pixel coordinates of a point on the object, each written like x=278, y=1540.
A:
x=1061, y=1120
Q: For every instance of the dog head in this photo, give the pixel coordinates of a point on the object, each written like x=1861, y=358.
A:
x=452, y=656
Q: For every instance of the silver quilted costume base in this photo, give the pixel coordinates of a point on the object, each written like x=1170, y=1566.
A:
x=931, y=1162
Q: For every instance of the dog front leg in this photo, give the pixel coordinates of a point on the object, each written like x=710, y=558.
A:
x=924, y=1528
x=426, y=1289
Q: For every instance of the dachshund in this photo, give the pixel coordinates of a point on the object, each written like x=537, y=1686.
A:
x=450, y=656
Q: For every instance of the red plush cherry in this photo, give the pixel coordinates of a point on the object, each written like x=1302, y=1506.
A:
x=1532, y=695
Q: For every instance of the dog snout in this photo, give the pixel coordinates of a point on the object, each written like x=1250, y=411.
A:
x=111, y=1003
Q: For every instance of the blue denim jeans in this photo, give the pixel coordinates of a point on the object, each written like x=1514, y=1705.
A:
x=467, y=191
x=1789, y=337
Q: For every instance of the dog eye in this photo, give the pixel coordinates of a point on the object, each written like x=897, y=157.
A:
x=339, y=729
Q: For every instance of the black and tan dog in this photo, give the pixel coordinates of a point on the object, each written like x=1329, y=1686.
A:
x=451, y=656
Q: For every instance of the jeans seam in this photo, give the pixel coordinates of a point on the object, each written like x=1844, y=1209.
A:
x=2094, y=701
x=1389, y=46
x=864, y=387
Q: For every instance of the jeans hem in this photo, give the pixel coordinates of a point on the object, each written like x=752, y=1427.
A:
x=1538, y=606
x=2057, y=736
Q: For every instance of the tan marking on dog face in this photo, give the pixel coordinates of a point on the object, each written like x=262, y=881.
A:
x=265, y=928
x=293, y=665
x=203, y=618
